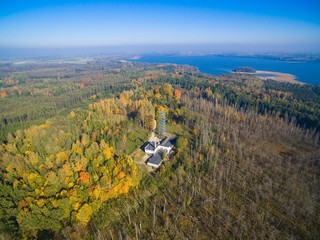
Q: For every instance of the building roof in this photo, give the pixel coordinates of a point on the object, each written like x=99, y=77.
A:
x=150, y=146
x=166, y=142
x=156, y=159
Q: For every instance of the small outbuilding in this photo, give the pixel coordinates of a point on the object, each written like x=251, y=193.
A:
x=165, y=144
x=155, y=160
x=150, y=148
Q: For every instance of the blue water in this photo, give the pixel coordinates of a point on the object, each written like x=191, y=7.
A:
x=305, y=72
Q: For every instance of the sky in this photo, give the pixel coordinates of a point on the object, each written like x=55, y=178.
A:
x=229, y=24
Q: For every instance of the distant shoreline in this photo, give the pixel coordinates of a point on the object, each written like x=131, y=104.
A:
x=277, y=76
x=305, y=72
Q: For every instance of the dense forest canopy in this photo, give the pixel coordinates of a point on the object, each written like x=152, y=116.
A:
x=244, y=69
x=246, y=162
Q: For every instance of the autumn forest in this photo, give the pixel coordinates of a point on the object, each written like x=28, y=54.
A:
x=245, y=165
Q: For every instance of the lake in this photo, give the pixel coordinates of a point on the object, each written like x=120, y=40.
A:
x=307, y=72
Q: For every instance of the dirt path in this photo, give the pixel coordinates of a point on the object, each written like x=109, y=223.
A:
x=143, y=159
x=153, y=137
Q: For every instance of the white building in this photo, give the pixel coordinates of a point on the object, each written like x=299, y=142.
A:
x=153, y=147
x=157, y=150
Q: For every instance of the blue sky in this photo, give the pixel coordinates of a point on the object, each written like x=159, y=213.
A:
x=269, y=24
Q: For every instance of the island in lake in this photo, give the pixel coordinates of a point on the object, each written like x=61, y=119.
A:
x=244, y=70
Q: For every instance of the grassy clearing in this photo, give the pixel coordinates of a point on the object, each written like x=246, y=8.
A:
x=136, y=139
x=137, y=155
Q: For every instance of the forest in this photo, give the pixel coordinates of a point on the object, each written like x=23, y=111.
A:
x=246, y=162
x=244, y=70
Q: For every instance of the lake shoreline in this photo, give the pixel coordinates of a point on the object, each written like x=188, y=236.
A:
x=303, y=73
x=277, y=76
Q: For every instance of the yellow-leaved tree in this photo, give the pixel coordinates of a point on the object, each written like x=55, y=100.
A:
x=84, y=214
x=59, y=173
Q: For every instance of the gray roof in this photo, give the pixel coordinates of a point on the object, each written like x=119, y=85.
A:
x=155, y=159
x=166, y=142
x=150, y=146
